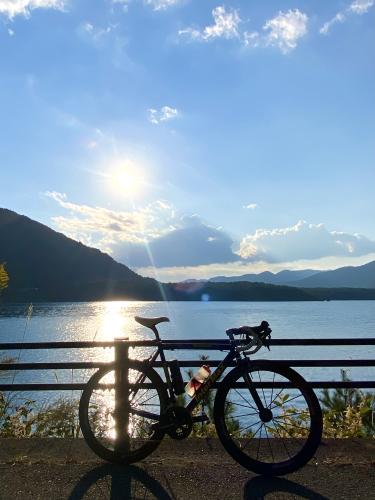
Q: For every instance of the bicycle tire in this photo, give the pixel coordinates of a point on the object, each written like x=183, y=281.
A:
x=104, y=446
x=233, y=441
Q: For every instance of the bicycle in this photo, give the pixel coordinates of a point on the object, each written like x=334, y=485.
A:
x=266, y=415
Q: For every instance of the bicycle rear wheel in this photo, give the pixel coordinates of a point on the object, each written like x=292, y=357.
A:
x=97, y=410
x=287, y=435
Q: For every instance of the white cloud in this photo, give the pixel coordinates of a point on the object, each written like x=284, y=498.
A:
x=161, y=4
x=358, y=7
x=163, y=114
x=156, y=236
x=302, y=241
x=153, y=235
x=251, y=206
x=284, y=30
x=13, y=8
x=225, y=26
x=104, y=228
x=252, y=39
x=155, y=4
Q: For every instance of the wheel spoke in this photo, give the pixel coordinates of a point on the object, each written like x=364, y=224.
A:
x=287, y=401
x=253, y=436
x=292, y=420
x=259, y=440
x=264, y=397
x=273, y=381
x=239, y=404
x=245, y=415
x=282, y=439
x=145, y=407
x=251, y=406
x=269, y=443
x=290, y=424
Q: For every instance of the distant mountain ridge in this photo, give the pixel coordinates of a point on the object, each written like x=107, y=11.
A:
x=280, y=278
x=44, y=265
x=347, y=277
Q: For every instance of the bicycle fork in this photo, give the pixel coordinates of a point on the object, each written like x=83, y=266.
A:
x=265, y=414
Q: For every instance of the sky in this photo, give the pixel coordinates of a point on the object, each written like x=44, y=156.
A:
x=188, y=138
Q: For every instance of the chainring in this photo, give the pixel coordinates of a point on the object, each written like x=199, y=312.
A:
x=178, y=422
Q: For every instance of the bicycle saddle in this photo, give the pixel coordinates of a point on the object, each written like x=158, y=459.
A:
x=150, y=322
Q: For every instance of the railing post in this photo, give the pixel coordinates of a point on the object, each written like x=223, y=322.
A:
x=122, y=443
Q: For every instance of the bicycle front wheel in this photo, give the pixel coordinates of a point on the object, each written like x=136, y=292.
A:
x=147, y=401
x=281, y=439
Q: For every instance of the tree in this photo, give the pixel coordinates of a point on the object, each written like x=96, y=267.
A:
x=345, y=409
x=4, y=278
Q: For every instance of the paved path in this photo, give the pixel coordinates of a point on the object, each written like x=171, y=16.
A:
x=192, y=469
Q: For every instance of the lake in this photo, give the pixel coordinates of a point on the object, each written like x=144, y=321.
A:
x=189, y=320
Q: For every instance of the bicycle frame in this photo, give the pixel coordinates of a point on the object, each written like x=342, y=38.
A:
x=205, y=387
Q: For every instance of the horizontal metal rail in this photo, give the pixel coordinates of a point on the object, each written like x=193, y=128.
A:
x=210, y=344
x=79, y=387
x=81, y=365
x=197, y=344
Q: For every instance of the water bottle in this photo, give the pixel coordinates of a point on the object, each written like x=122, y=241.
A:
x=197, y=380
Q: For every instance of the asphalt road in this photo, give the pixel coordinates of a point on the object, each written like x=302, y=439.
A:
x=193, y=469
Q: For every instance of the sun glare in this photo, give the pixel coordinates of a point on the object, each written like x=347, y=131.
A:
x=127, y=178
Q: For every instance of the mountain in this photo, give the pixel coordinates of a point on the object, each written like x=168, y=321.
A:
x=46, y=265
x=348, y=277
x=354, y=277
x=281, y=278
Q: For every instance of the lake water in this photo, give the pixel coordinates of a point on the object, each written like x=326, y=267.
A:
x=189, y=320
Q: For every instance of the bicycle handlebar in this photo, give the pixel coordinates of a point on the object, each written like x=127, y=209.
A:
x=256, y=336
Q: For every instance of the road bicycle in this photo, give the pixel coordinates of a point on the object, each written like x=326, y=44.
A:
x=266, y=415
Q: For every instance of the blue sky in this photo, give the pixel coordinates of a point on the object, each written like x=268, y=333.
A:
x=193, y=138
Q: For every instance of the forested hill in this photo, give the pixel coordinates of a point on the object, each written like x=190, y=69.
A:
x=44, y=265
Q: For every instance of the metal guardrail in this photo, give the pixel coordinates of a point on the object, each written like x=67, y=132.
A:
x=197, y=344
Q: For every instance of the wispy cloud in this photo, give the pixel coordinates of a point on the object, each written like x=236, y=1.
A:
x=162, y=4
x=225, y=25
x=13, y=8
x=104, y=228
x=94, y=34
x=154, y=4
x=251, y=206
x=358, y=7
x=282, y=31
x=163, y=114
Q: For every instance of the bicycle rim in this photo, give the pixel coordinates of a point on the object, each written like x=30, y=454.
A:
x=277, y=443
x=97, y=414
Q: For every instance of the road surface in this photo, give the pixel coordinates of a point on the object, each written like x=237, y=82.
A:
x=194, y=469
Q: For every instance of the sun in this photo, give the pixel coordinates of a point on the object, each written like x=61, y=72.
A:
x=127, y=178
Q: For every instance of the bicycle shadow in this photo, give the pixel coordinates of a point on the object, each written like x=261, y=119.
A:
x=259, y=487
x=118, y=483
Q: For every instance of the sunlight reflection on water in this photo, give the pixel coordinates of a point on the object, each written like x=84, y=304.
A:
x=108, y=320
